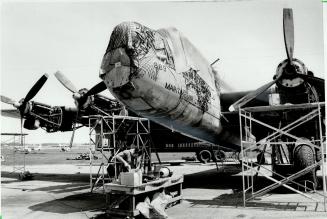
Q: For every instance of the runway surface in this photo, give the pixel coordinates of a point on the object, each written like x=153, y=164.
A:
x=60, y=189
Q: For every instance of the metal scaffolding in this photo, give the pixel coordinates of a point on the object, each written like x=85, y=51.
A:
x=17, y=142
x=111, y=134
x=281, y=154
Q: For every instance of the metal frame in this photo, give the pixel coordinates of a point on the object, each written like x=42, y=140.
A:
x=105, y=133
x=18, y=139
x=250, y=169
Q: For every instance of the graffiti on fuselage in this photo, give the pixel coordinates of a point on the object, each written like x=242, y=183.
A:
x=142, y=42
x=146, y=39
x=153, y=73
x=195, y=83
x=173, y=88
x=196, y=92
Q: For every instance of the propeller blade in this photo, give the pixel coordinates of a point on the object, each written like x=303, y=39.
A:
x=66, y=82
x=250, y=96
x=7, y=100
x=36, y=88
x=288, y=28
x=313, y=80
x=96, y=89
x=73, y=134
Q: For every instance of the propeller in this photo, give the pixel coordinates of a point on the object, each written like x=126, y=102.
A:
x=66, y=82
x=289, y=66
x=21, y=106
x=250, y=96
x=98, y=88
x=7, y=100
x=288, y=29
x=79, y=97
x=32, y=92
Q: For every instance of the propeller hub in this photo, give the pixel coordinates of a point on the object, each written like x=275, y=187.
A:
x=24, y=107
x=77, y=96
x=82, y=99
x=290, y=73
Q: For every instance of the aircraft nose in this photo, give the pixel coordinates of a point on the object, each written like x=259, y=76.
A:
x=116, y=64
x=122, y=36
x=116, y=68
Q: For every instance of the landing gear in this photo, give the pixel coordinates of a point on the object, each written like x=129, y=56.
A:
x=206, y=156
x=295, y=158
x=203, y=156
x=219, y=155
x=304, y=157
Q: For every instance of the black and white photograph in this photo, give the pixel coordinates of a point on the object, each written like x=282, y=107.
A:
x=163, y=109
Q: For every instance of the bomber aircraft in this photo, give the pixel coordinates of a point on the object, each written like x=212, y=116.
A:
x=160, y=75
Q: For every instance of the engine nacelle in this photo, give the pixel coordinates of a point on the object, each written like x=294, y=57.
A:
x=31, y=124
x=289, y=79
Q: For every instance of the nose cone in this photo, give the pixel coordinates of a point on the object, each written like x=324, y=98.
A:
x=118, y=63
x=122, y=36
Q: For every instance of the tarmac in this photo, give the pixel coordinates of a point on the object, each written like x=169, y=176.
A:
x=63, y=191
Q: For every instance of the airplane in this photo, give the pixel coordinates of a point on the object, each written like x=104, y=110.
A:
x=160, y=75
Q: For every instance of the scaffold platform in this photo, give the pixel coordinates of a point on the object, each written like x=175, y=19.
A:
x=111, y=134
x=282, y=143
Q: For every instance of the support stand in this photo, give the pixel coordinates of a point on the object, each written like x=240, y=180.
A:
x=111, y=134
x=282, y=151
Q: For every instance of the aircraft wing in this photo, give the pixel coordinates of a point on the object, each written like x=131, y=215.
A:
x=13, y=113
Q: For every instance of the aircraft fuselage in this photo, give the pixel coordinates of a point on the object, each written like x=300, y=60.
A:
x=162, y=76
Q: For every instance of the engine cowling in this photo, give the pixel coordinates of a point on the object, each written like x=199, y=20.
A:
x=290, y=77
x=32, y=124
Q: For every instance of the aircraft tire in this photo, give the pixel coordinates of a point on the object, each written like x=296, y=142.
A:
x=303, y=157
x=204, y=156
x=218, y=155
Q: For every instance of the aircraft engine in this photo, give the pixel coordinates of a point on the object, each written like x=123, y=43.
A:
x=32, y=123
x=293, y=87
x=290, y=73
x=295, y=84
x=83, y=101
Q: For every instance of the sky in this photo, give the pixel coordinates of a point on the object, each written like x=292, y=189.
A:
x=247, y=36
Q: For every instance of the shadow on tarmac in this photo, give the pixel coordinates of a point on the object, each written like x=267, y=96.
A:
x=74, y=203
x=210, y=179
x=77, y=177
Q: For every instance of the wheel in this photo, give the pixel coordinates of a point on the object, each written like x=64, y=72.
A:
x=218, y=155
x=303, y=157
x=204, y=156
